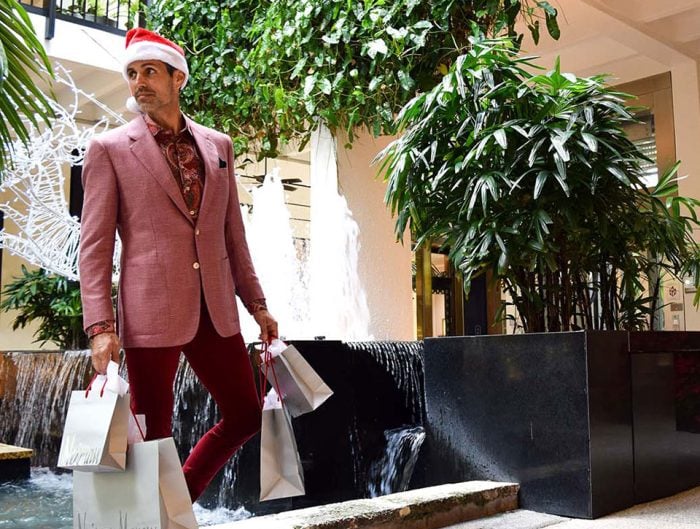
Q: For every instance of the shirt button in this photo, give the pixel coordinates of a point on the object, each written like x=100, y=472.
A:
x=196, y=232
x=191, y=212
x=195, y=266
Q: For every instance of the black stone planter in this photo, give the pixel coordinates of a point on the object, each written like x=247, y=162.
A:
x=585, y=423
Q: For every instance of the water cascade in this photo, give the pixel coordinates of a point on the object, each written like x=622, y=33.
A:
x=393, y=472
x=362, y=442
x=338, y=302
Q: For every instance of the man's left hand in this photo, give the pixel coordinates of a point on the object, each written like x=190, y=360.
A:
x=268, y=325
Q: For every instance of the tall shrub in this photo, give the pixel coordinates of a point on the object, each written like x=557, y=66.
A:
x=531, y=177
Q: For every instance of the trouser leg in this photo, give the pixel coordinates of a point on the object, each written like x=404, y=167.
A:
x=151, y=375
x=223, y=367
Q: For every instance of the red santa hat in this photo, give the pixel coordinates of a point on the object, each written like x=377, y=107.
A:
x=144, y=45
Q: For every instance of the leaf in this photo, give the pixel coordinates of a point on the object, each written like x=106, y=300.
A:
x=405, y=80
x=590, y=140
x=325, y=86
x=619, y=174
x=309, y=84
x=500, y=136
x=376, y=46
x=552, y=25
x=540, y=181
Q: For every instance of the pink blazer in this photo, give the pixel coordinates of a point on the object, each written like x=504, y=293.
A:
x=168, y=260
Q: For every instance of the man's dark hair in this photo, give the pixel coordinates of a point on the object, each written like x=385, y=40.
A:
x=170, y=68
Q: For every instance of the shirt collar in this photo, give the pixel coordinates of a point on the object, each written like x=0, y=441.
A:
x=154, y=128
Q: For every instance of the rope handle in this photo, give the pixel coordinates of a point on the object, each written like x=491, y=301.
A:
x=268, y=364
x=89, y=388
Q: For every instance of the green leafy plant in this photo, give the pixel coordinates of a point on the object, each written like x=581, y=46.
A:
x=531, y=177
x=267, y=72
x=52, y=300
x=22, y=58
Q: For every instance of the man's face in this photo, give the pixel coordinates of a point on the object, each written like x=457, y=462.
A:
x=153, y=87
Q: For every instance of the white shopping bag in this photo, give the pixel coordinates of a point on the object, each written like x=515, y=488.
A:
x=95, y=430
x=301, y=389
x=281, y=474
x=150, y=493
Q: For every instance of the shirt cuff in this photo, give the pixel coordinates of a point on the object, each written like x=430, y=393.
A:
x=100, y=327
x=256, y=305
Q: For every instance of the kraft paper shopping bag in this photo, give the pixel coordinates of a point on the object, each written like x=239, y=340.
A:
x=151, y=492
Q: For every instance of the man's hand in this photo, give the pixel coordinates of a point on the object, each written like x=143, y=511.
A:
x=268, y=325
x=103, y=348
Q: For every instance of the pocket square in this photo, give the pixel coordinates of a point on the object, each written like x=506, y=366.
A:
x=222, y=164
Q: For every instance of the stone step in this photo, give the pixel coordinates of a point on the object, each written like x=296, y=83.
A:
x=428, y=508
x=14, y=462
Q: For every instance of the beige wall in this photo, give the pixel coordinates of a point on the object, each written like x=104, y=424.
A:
x=385, y=265
x=685, y=78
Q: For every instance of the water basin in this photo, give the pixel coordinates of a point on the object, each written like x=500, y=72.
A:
x=45, y=502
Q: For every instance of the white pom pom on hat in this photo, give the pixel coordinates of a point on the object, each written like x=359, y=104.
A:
x=144, y=45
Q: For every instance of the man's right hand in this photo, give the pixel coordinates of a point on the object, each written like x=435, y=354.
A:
x=103, y=348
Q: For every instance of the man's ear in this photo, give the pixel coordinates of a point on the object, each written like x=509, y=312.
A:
x=179, y=77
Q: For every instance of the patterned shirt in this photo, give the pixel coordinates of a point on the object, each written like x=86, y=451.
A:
x=187, y=167
x=180, y=151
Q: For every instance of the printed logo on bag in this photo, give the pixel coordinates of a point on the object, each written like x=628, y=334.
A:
x=123, y=523
x=78, y=453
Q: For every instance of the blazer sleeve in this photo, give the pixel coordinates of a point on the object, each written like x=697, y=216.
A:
x=97, y=234
x=247, y=285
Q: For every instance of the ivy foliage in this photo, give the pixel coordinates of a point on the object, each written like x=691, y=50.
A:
x=266, y=72
x=531, y=177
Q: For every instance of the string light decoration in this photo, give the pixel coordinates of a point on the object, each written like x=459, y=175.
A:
x=46, y=234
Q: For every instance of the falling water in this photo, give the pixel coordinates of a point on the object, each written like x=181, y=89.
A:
x=34, y=395
x=282, y=272
x=392, y=473
x=339, y=307
x=404, y=362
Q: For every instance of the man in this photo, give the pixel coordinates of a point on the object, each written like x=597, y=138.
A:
x=166, y=185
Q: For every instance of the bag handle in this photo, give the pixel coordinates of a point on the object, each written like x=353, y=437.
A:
x=89, y=388
x=268, y=364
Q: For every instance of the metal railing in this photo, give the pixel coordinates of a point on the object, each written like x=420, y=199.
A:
x=115, y=16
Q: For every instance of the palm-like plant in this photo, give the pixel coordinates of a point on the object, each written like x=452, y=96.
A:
x=21, y=57
x=532, y=177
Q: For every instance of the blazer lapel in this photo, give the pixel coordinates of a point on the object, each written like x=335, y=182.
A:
x=145, y=148
x=210, y=158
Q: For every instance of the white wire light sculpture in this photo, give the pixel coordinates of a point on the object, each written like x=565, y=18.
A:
x=46, y=234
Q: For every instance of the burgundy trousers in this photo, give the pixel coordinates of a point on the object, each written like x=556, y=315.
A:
x=223, y=367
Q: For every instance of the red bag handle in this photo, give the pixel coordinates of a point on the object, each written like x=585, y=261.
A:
x=89, y=388
x=268, y=364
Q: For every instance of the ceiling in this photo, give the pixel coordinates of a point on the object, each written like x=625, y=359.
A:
x=628, y=39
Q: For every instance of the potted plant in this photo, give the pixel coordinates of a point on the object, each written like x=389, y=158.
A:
x=530, y=176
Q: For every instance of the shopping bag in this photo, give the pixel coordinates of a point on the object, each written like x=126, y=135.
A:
x=300, y=387
x=150, y=493
x=281, y=475
x=95, y=430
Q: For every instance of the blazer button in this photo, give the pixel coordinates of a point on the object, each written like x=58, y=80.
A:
x=195, y=266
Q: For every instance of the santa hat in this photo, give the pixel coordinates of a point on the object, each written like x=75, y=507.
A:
x=144, y=45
